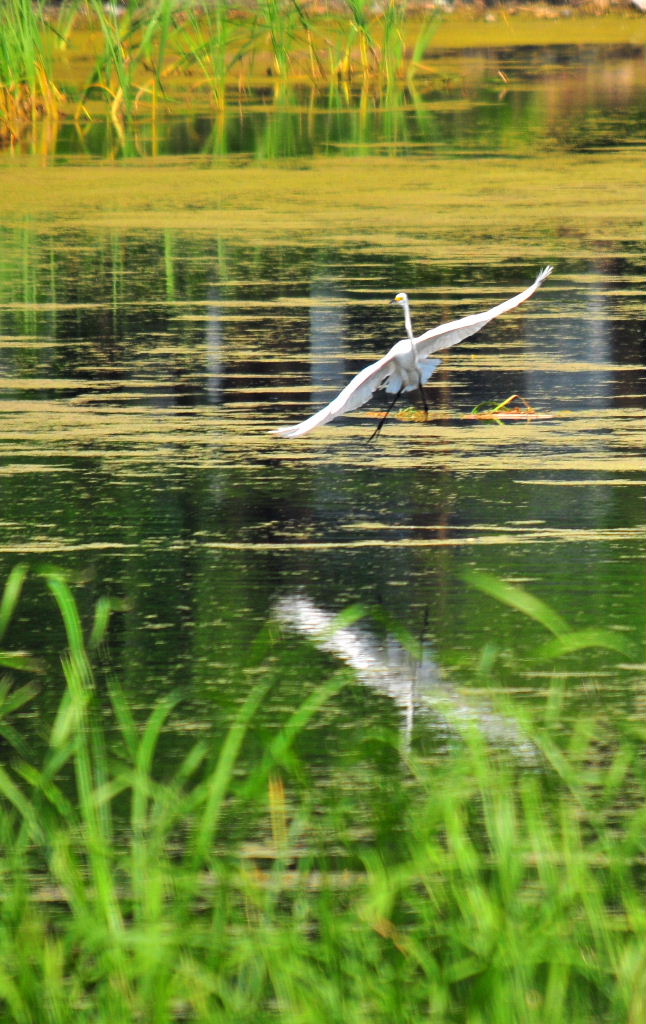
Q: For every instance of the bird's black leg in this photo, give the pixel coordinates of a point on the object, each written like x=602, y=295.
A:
x=423, y=397
x=383, y=419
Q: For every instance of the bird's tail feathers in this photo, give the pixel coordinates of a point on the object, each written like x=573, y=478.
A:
x=397, y=383
x=428, y=368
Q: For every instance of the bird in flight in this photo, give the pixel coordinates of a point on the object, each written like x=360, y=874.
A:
x=407, y=366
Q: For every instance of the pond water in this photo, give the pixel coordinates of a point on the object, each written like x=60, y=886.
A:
x=170, y=296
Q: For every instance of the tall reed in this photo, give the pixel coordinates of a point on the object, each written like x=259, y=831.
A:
x=211, y=39
x=147, y=49
x=136, y=50
x=27, y=88
x=276, y=19
x=359, y=32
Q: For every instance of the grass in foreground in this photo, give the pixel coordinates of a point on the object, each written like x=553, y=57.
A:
x=509, y=894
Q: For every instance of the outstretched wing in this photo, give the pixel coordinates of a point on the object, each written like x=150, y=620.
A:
x=354, y=395
x=439, y=338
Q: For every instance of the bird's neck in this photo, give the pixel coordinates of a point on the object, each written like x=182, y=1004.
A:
x=407, y=321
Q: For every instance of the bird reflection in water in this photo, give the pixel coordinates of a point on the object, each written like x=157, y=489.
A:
x=413, y=680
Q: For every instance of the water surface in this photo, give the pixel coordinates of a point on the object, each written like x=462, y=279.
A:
x=164, y=307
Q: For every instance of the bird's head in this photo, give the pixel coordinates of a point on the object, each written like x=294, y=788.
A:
x=401, y=298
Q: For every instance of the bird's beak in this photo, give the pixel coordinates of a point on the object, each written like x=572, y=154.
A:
x=392, y=302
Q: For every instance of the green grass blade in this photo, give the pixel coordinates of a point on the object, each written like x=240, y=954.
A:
x=144, y=760
x=11, y=595
x=580, y=640
x=217, y=784
x=69, y=611
x=298, y=720
x=518, y=598
x=11, y=792
x=102, y=612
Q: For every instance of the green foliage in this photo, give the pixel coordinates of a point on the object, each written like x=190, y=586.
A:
x=147, y=45
x=11, y=596
x=513, y=894
x=136, y=46
x=566, y=640
x=27, y=90
x=216, y=43
x=21, y=48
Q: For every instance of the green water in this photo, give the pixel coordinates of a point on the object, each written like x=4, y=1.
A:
x=170, y=295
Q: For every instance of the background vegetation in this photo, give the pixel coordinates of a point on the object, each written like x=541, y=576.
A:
x=74, y=58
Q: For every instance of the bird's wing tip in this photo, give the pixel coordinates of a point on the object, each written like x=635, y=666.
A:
x=545, y=272
x=294, y=431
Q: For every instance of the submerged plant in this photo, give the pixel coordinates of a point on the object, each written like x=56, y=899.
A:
x=492, y=409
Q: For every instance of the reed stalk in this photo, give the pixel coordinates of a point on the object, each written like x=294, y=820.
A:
x=216, y=43
x=394, y=22
x=134, y=59
x=359, y=32
x=27, y=88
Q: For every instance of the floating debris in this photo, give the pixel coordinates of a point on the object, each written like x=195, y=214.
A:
x=505, y=411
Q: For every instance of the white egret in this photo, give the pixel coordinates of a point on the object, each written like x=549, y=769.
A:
x=407, y=366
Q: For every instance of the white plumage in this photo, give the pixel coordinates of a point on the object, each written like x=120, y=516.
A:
x=407, y=366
